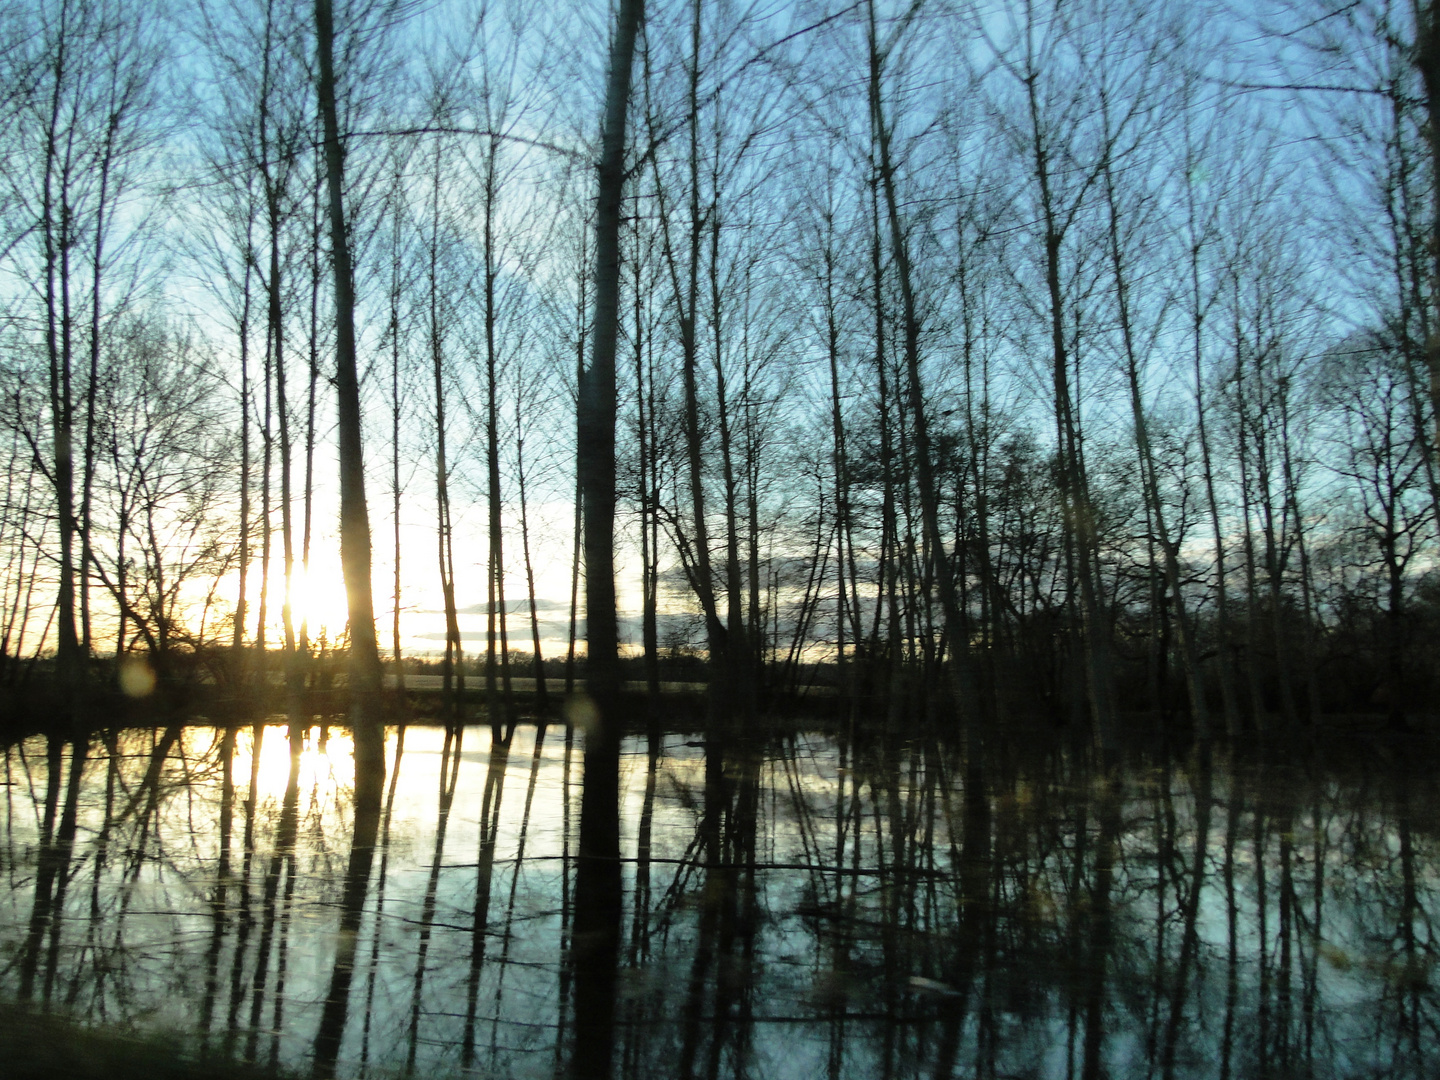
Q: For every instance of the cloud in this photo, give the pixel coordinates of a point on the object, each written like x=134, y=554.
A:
x=512, y=607
x=669, y=625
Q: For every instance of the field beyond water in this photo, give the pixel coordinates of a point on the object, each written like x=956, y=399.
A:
x=181, y=901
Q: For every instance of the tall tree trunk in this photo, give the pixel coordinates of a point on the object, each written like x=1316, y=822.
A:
x=241, y=599
x=717, y=638
x=576, y=543
x=882, y=412
x=1199, y=713
x=1080, y=523
x=756, y=613
x=287, y=532
x=1224, y=632
x=646, y=441
x=271, y=157
x=542, y=697
x=957, y=630
x=267, y=532
x=316, y=228
x=1412, y=268
x=1276, y=545
x=737, y=647
x=396, y=290
x=847, y=616
x=992, y=598
x=497, y=614
x=598, y=883
x=1291, y=497
x=452, y=669
x=56, y=239
x=1252, y=605
x=87, y=482
x=365, y=718
x=1427, y=59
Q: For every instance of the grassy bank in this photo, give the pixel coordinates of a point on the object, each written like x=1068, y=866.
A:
x=51, y=1047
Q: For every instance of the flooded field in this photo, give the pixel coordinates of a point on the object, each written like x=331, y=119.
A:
x=798, y=908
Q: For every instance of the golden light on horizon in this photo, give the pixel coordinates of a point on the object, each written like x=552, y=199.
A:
x=319, y=604
x=317, y=599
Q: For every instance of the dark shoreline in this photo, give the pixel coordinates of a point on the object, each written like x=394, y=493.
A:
x=1334, y=740
x=39, y=1045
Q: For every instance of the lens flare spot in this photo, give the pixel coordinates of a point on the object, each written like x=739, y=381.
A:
x=137, y=677
x=582, y=713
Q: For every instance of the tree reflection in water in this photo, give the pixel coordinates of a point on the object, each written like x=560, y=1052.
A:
x=802, y=907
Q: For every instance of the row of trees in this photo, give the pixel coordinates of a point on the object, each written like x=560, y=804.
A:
x=1071, y=356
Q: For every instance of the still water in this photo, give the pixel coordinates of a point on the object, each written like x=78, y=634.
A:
x=806, y=908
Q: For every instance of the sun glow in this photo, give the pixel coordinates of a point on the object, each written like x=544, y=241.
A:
x=319, y=604
x=317, y=598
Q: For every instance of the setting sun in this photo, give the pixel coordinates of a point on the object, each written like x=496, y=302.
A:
x=317, y=598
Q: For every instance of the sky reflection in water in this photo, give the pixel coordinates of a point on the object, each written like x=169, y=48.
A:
x=816, y=910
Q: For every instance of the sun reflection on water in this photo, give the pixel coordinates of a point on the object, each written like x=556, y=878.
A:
x=318, y=767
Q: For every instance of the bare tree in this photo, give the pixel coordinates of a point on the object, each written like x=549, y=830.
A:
x=597, y=922
x=79, y=139
x=365, y=673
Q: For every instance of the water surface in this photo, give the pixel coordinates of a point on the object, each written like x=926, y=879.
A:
x=801, y=908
